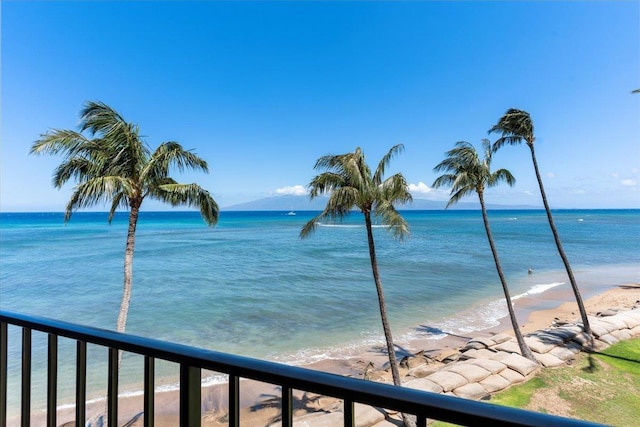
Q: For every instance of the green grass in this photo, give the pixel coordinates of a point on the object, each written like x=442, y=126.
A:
x=603, y=387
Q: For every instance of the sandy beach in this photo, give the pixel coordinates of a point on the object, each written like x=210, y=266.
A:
x=259, y=408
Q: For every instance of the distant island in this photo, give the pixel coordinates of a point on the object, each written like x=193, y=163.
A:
x=291, y=203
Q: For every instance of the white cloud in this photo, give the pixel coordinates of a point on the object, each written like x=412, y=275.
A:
x=634, y=171
x=420, y=188
x=528, y=192
x=551, y=175
x=615, y=175
x=628, y=182
x=295, y=190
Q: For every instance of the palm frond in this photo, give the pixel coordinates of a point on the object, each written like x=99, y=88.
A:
x=501, y=175
x=324, y=183
x=395, y=189
x=79, y=168
x=119, y=201
x=398, y=226
x=355, y=170
x=59, y=141
x=341, y=201
x=120, y=140
x=98, y=117
x=171, y=154
x=191, y=195
x=445, y=180
x=514, y=127
x=458, y=195
x=467, y=173
x=94, y=191
x=385, y=161
x=310, y=226
x=350, y=185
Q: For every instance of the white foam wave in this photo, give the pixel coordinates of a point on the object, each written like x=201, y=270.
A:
x=339, y=352
x=73, y=405
x=537, y=289
x=324, y=224
x=477, y=319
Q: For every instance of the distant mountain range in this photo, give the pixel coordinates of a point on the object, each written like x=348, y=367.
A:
x=302, y=203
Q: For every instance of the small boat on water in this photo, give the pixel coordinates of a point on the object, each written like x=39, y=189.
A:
x=290, y=213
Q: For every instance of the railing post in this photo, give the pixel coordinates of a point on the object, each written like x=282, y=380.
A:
x=349, y=417
x=149, y=391
x=234, y=401
x=112, y=389
x=52, y=381
x=190, y=396
x=81, y=383
x=25, y=418
x=287, y=406
x=4, y=348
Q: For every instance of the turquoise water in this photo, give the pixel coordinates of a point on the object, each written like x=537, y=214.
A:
x=250, y=286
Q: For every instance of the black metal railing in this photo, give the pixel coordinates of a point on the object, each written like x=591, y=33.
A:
x=192, y=360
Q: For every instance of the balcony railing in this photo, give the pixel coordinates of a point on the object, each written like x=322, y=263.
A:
x=192, y=361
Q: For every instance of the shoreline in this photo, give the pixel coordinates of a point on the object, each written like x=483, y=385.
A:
x=371, y=363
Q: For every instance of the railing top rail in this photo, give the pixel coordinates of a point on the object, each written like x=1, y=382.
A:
x=442, y=407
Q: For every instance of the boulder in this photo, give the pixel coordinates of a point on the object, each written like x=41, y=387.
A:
x=616, y=321
x=565, y=353
x=500, y=338
x=447, y=380
x=493, y=366
x=539, y=344
x=512, y=376
x=509, y=347
x=548, y=360
x=366, y=415
x=630, y=321
x=424, y=370
x=495, y=383
x=425, y=384
x=520, y=364
x=471, y=372
x=471, y=391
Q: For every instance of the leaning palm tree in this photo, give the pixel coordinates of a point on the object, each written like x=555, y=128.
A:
x=350, y=184
x=467, y=173
x=114, y=165
x=514, y=127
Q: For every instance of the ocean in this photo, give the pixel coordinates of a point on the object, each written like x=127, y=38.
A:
x=251, y=286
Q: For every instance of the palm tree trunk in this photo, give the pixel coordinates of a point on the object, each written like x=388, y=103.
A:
x=126, y=291
x=565, y=260
x=393, y=361
x=128, y=266
x=524, y=348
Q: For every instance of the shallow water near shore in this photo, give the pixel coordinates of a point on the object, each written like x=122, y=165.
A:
x=250, y=286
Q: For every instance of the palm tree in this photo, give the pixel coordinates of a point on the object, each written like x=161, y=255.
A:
x=466, y=173
x=516, y=126
x=350, y=184
x=115, y=165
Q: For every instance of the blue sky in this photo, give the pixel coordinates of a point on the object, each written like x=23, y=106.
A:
x=262, y=89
